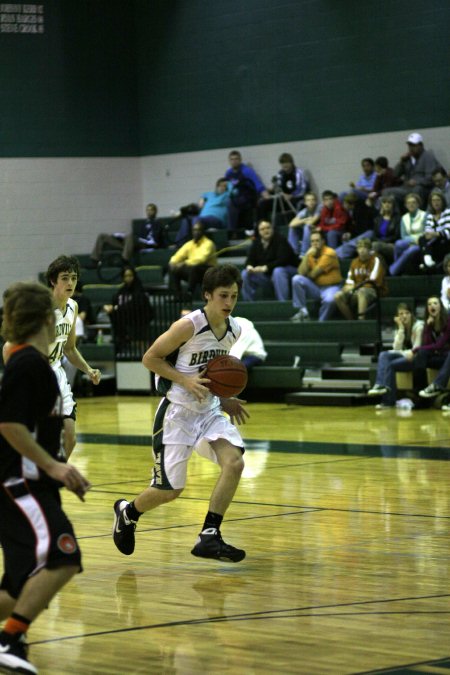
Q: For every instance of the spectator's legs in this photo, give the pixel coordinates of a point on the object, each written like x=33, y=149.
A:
x=404, y=253
x=348, y=248
x=294, y=239
x=281, y=279
x=302, y=288
x=100, y=243
x=333, y=238
x=251, y=282
x=306, y=239
x=195, y=274
x=342, y=300
x=327, y=305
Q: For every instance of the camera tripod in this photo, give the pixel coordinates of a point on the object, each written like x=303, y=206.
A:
x=281, y=205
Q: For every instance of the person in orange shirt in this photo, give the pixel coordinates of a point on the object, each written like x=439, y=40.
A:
x=367, y=267
x=319, y=278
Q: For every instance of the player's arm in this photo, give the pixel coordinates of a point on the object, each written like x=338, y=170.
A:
x=74, y=356
x=20, y=438
x=154, y=358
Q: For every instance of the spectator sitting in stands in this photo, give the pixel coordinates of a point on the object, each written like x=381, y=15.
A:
x=247, y=188
x=333, y=219
x=191, y=261
x=364, y=184
x=385, y=179
x=249, y=347
x=130, y=313
x=151, y=235
x=290, y=182
x=431, y=353
x=319, y=277
x=212, y=212
x=300, y=227
x=386, y=229
x=412, y=226
x=441, y=183
x=435, y=241
x=271, y=263
x=366, y=269
x=415, y=170
x=445, y=286
x=359, y=226
x=407, y=336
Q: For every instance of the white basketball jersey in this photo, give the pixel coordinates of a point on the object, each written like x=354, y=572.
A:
x=63, y=326
x=193, y=356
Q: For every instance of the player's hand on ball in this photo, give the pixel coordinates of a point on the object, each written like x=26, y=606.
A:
x=94, y=375
x=235, y=409
x=196, y=385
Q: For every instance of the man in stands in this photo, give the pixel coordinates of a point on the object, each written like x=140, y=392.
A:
x=415, y=170
x=247, y=189
x=368, y=270
x=319, y=277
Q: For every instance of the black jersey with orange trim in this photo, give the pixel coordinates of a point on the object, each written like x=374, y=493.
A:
x=30, y=396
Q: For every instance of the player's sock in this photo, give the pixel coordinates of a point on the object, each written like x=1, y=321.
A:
x=16, y=624
x=132, y=512
x=212, y=520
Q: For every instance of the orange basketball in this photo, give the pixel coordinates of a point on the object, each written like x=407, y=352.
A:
x=228, y=376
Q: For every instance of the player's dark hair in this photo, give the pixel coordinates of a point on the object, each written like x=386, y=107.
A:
x=285, y=158
x=369, y=160
x=223, y=275
x=64, y=263
x=328, y=193
x=234, y=153
x=27, y=306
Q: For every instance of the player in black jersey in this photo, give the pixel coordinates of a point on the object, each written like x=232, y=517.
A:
x=40, y=550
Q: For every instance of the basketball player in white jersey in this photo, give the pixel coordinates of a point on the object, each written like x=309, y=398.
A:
x=190, y=417
x=62, y=276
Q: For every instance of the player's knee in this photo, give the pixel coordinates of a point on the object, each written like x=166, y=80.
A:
x=235, y=465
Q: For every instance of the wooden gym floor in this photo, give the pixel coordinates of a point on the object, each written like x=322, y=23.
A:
x=345, y=517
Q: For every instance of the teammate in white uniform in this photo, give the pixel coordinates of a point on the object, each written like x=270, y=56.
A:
x=62, y=276
x=189, y=417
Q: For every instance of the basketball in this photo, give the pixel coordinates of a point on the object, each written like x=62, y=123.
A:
x=228, y=376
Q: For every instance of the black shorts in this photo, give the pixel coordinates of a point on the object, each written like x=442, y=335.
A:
x=34, y=531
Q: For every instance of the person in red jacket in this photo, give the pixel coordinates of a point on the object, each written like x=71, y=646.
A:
x=333, y=219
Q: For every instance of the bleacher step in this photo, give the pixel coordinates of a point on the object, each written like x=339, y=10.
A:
x=346, y=373
x=327, y=398
x=324, y=385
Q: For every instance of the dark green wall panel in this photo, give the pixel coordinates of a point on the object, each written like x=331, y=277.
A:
x=214, y=74
x=71, y=91
x=130, y=77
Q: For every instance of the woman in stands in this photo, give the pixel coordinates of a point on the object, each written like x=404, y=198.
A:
x=431, y=353
x=407, y=336
x=130, y=314
x=435, y=242
x=412, y=226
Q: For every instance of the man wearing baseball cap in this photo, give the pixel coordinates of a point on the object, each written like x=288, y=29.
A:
x=414, y=170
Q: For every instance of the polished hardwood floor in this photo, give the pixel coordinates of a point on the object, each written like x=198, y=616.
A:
x=345, y=517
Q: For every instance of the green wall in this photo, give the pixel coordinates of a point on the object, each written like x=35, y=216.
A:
x=246, y=72
x=131, y=77
x=72, y=90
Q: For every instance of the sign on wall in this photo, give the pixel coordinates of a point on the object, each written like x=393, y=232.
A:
x=21, y=18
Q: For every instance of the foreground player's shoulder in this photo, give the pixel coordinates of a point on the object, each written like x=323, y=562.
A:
x=235, y=327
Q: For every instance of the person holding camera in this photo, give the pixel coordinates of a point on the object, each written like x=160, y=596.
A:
x=290, y=183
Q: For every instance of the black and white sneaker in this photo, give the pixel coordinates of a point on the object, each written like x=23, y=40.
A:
x=211, y=545
x=13, y=654
x=123, y=528
x=378, y=390
x=431, y=391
